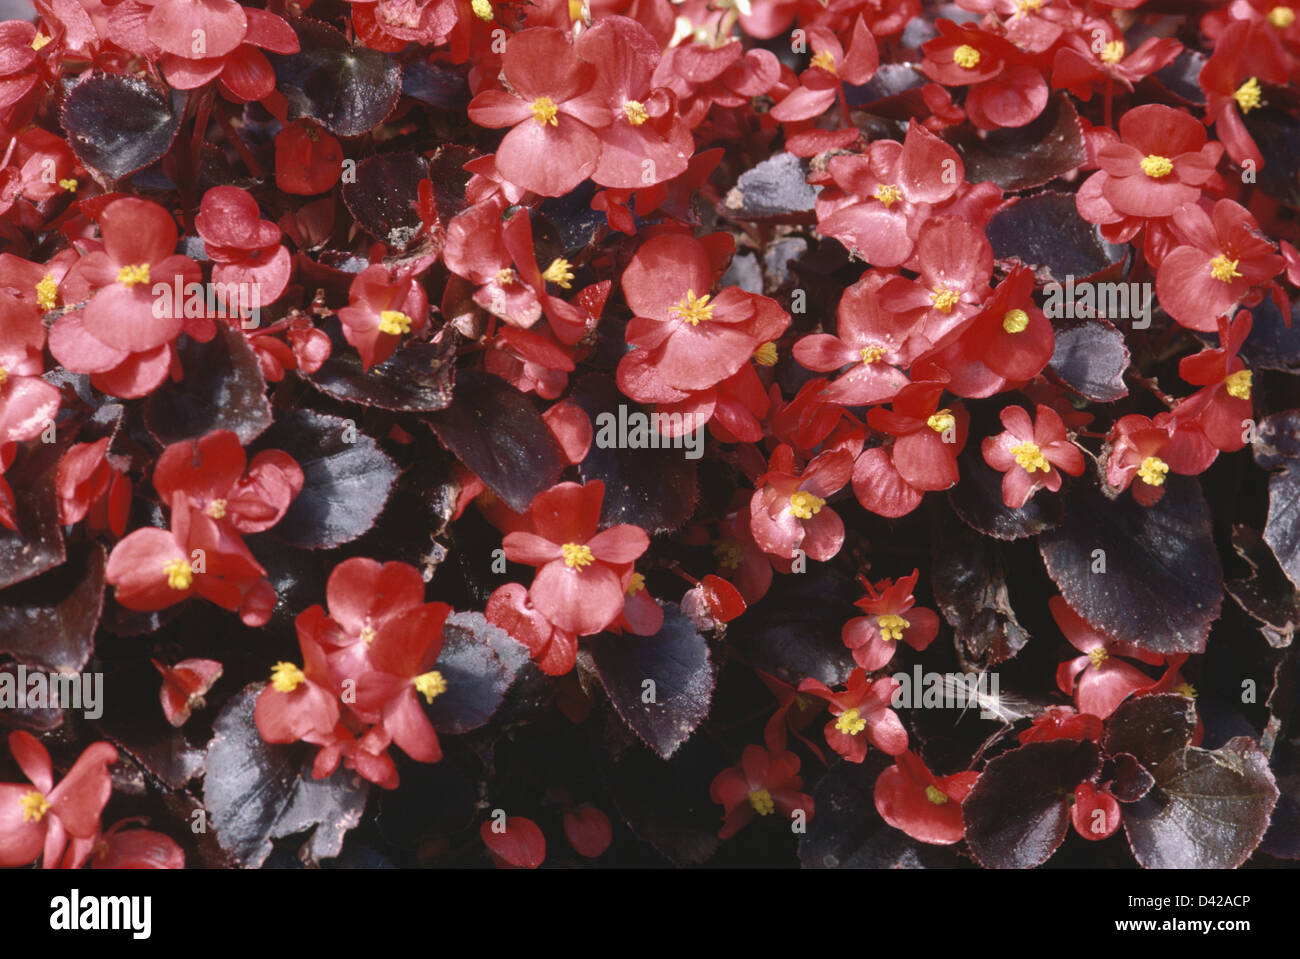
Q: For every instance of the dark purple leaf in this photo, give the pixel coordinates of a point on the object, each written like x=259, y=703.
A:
x=384, y=195
x=793, y=632
x=655, y=489
x=848, y=833
x=498, y=434
x=775, y=189
x=479, y=662
x=1019, y=811
x=223, y=389
x=1278, y=445
x=417, y=378
x=977, y=499
x=255, y=792
x=38, y=544
x=1090, y=358
x=1046, y=233
x=49, y=622
x=118, y=124
x=671, y=669
x=1020, y=158
x=1150, y=728
x=1207, y=810
x=347, y=88
x=1163, y=584
x=969, y=579
x=347, y=478
x=1266, y=595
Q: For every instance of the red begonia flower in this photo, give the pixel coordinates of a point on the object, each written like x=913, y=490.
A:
x=58, y=823
x=760, y=784
x=1096, y=813
x=401, y=657
x=1028, y=448
x=861, y=712
x=788, y=510
x=1062, y=722
x=582, y=573
x=308, y=160
x=244, y=73
x=245, y=248
x=1080, y=68
x=518, y=845
x=383, y=306
x=184, y=686
x=831, y=67
x=1147, y=449
x=892, y=615
x=1222, y=408
x=91, y=487
x=875, y=344
x=589, y=831
x=299, y=703
x=1161, y=163
x=1006, y=89
x=196, y=29
x=1221, y=257
x=27, y=402
x=695, y=339
x=553, y=113
x=881, y=200
x=645, y=142
x=121, y=847
x=553, y=649
x=1098, y=680
x=926, y=807
x=927, y=438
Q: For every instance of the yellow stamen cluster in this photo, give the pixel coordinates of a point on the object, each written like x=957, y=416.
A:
x=286, y=677
x=1248, y=95
x=1027, y=6
x=47, y=292
x=4, y=376
x=825, y=60
x=944, y=299
x=544, y=112
x=482, y=9
x=1030, y=457
x=1185, y=689
x=69, y=184
x=1156, y=166
x=131, y=275
x=216, y=509
x=966, y=56
x=1238, y=384
x=635, y=112
x=39, y=41
x=761, y=800
x=577, y=555
x=559, y=273
x=368, y=635
x=179, y=574
x=1153, y=471
x=892, y=626
x=872, y=354
x=888, y=194
x=1281, y=17
x=394, y=322
x=505, y=276
x=851, y=722
x=765, y=355
x=1113, y=52
x=1221, y=268
x=805, y=505
x=1098, y=656
x=935, y=796
x=34, y=806
x=635, y=584
x=693, y=309
x=729, y=555
x=429, y=685
x=1015, y=321
x=941, y=421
